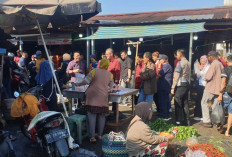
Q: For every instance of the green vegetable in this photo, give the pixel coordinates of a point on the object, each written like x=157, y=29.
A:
x=160, y=125
x=184, y=132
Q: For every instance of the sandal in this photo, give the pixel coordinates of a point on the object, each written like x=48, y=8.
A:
x=93, y=140
x=227, y=134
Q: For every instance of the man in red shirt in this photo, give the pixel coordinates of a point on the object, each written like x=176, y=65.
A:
x=114, y=66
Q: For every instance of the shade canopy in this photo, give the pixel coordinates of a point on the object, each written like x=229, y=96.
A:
x=17, y=15
x=145, y=31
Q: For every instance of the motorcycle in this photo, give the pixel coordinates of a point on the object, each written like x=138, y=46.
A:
x=21, y=79
x=53, y=133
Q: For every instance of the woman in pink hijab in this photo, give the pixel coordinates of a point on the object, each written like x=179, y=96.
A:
x=203, y=67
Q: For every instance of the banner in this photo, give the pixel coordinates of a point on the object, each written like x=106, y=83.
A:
x=56, y=39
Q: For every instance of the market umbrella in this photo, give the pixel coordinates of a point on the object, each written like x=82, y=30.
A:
x=24, y=15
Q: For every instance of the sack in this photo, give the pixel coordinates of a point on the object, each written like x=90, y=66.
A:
x=218, y=114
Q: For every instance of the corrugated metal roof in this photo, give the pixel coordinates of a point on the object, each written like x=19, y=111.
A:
x=190, y=17
x=145, y=31
x=162, y=16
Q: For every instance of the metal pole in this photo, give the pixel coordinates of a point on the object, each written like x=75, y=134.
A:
x=87, y=47
x=20, y=45
x=92, y=42
x=50, y=63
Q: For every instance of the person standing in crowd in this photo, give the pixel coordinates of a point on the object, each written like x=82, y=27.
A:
x=97, y=97
x=141, y=140
x=220, y=58
x=93, y=63
x=225, y=95
x=212, y=88
x=32, y=69
x=45, y=78
x=139, y=68
x=114, y=68
x=164, y=87
x=75, y=66
x=7, y=77
x=117, y=56
x=158, y=66
x=226, y=56
x=148, y=75
x=61, y=74
x=180, y=88
x=39, y=60
x=23, y=61
x=13, y=64
x=203, y=67
x=126, y=74
x=103, y=55
x=176, y=60
x=82, y=59
x=19, y=55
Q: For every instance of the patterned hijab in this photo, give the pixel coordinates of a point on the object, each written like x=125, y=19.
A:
x=104, y=64
x=143, y=110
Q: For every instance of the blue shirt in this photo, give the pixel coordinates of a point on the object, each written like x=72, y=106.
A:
x=22, y=62
x=165, y=81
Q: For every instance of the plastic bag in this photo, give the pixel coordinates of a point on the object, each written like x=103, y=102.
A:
x=197, y=153
x=196, y=66
x=218, y=114
x=191, y=141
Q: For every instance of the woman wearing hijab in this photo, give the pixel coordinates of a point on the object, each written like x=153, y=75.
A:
x=203, y=67
x=141, y=140
x=45, y=78
x=97, y=105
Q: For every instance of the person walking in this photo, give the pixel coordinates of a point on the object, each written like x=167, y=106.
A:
x=212, y=88
x=138, y=80
x=97, y=97
x=148, y=75
x=164, y=87
x=203, y=67
x=225, y=95
x=126, y=74
x=180, y=88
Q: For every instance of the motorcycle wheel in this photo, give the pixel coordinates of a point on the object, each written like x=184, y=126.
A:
x=25, y=131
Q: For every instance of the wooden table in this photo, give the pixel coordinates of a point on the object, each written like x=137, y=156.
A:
x=113, y=97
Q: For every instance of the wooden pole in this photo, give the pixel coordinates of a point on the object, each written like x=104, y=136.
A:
x=136, y=55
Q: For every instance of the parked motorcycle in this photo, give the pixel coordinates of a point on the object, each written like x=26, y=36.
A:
x=53, y=133
x=22, y=80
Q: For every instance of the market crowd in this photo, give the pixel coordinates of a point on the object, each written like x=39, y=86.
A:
x=155, y=78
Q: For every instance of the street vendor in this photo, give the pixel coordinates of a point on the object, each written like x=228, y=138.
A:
x=141, y=140
x=97, y=97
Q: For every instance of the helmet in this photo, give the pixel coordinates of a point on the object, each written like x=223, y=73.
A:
x=10, y=54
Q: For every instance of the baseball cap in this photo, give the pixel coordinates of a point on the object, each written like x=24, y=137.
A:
x=163, y=56
x=38, y=53
x=92, y=56
x=213, y=53
x=227, y=54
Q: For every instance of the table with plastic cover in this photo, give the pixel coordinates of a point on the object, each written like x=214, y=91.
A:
x=79, y=92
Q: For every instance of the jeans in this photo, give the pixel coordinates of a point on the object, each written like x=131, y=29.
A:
x=227, y=102
x=198, y=110
x=181, y=104
x=145, y=97
x=164, y=104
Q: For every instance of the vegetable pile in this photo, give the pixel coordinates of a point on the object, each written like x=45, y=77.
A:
x=160, y=125
x=209, y=150
x=184, y=132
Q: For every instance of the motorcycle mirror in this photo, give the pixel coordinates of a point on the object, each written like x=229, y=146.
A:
x=16, y=94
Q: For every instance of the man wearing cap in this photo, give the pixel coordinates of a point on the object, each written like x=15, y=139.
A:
x=93, y=63
x=39, y=60
x=212, y=88
x=164, y=87
x=227, y=55
x=180, y=88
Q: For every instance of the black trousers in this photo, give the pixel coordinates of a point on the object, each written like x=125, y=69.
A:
x=156, y=100
x=181, y=104
x=197, y=110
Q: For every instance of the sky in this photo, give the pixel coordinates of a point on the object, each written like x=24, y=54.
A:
x=132, y=6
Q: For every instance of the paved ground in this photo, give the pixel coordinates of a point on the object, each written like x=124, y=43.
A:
x=24, y=147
